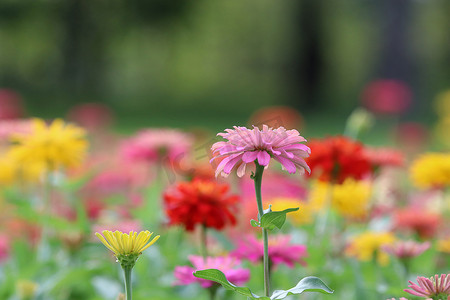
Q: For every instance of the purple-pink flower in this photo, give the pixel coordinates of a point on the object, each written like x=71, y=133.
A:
x=5, y=247
x=407, y=249
x=245, y=146
x=436, y=287
x=230, y=266
x=281, y=251
x=151, y=145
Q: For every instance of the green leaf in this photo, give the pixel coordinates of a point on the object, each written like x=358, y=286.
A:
x=273, y=219
x=254, y=223
x=307, y=284
x=219, y=277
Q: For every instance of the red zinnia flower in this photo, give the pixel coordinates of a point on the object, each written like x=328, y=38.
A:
x=338, y=158
x=202, y=202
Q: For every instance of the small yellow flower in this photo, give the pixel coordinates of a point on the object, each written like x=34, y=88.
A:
x=127, y=244
x=441, y=131
x=369, y=245
x=12, y=171
x=442, y=104
x=444, y=245
x=58, y=145
x=350, y=199
x=127, y=247
x=431, y=170
x=7, y=171
x=26, y=289
x=303, y=216
x=320, y=191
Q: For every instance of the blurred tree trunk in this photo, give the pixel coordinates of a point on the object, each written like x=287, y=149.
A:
x=306, y=65
x=82, y=46
x=396, y=56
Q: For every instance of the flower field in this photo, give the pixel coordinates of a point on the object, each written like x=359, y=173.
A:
x=256, y=212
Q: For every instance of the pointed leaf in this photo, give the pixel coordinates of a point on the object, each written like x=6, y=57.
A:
x=219, y=277
x=254, y=223
x=307, y=284
x=273, y=219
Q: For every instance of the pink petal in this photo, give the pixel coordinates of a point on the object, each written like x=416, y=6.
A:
x=287, y=164
x=249, y=157
x=230, y=165
x=241, y=170
x=414, y=292
x=224, y=162
x=263, y=158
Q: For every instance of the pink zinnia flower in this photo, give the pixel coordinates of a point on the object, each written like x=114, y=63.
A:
x=245, y=146
x=11, y=105
x=5, y=247
x=407, y=249
x=9, y=128
x=437, y=287
x=228, y=265
x=151, y=145
x=91, y=115
x=280, y=250
x=387, y=96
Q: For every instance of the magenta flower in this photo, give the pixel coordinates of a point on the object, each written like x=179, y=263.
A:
x=436, y=288
x=151, y=145
x=280, y=250
x=407, y=249
x=246, y=146
x=5, y=247
x=230, y=266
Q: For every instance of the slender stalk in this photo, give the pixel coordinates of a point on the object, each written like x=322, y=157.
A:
x=212, y=291
x=266, y=263
x=43, y=248
x=257, y=177
x=323, y=218
x=203, y=242
x=127, y=275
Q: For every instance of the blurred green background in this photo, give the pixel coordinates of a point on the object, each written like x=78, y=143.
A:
x=212, y=63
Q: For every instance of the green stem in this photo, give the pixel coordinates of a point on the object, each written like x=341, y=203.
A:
x=203, y=242
x=257, y=177
x=323, y=218
x=44, y=248
x=212, y=291
x=127, y=275
x=266, y=263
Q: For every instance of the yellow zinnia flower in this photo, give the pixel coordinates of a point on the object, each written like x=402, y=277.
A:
x=127, y=244
x=12, y=171
x=303, y=216
x=7, y=172
x=127, y=247
x=318, y=195
x=431, y=170
x=26, y=289
x=350, y=198
x=444, y=245
x=58, y=145
x=369, y=245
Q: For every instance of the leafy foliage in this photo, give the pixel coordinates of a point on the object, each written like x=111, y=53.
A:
x=307, y=284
